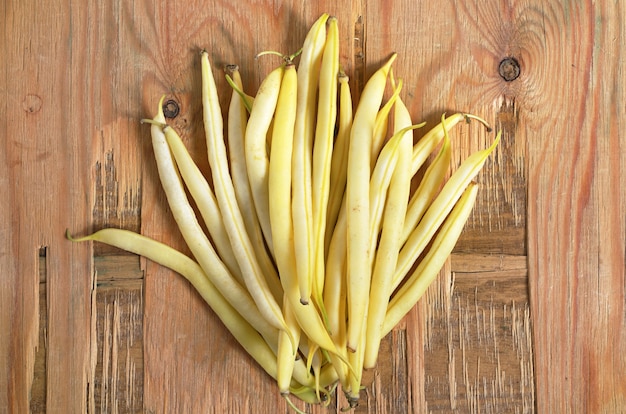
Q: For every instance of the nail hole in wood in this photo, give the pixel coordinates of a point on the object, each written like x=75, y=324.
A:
x=509, y=69
x=171, y=109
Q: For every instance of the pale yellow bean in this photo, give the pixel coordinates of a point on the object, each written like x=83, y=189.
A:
x=339, y=162
x=357, y=202
x=322, y=154
x=429, y=267
x=390, y=243
x=237, y=124
x=439, y=209
x=255, y=144
x=225, y=194
x=428, y=187
x=302, y=204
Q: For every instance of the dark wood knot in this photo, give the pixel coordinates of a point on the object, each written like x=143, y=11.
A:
x=171, y=109
x=509, y=69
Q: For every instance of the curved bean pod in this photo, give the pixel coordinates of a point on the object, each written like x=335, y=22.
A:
x=255, y=143
x=429, y=267
x=357, y=202
x=390, y=243
x=322, y=154
x=439, y=209
x=225, y=194
x=308, y=74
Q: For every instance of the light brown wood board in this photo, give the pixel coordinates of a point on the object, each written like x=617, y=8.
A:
x=529, y=314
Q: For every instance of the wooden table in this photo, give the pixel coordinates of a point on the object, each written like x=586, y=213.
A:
x=528, y=315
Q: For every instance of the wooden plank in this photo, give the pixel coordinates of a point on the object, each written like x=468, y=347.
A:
x=117, y=370
x=478, y=343
x=572, y=118
x=448, y=56
x=45, y=184
x=206, y=357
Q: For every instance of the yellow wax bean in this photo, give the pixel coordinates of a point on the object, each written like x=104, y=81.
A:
x=438, y=210
x=225, y=194
x=255, y=142
x=428, y=187
x=428, y=268
x=322, y=154
x=237, y=124
x=308, y=75
x=357, y=202
x=339, y=161
x=205, y=200
x=279, y=182
x=390, y=243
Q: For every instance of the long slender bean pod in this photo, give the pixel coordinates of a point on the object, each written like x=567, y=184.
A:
x=308, y=74
x=389, y=244
x=439, y=209
x=431, y=182
x=322, y=152
x=255, y=142
x=225, y=194
x=205, y=200
x=428, y=268
x=357, y=202
x=237, y=123
x=339, y=162
x=279, y=183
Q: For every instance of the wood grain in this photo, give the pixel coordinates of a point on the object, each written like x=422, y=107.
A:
x=577, y=197
x=45, y=185
x=478, y=348
x=448, y=56
x=527, y=316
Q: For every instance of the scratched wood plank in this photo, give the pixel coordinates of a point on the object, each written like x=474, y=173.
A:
x=478, y=347
x=117, y=370
x=448, y=57
x=209, y=371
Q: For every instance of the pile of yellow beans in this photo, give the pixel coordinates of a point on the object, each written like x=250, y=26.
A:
x=312, y=245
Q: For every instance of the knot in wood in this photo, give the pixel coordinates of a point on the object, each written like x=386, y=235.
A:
x=509, y=69
x=171, y=109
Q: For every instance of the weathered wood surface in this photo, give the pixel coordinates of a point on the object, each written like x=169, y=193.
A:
x=528, y=316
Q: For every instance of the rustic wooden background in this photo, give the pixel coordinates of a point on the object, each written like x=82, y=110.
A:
x=529, y=315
